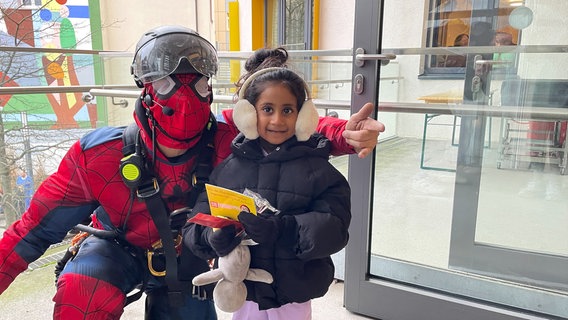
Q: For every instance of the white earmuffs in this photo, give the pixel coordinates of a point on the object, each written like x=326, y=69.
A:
x=244, y=113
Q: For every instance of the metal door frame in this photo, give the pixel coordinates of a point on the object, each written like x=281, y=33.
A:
x=381, y=297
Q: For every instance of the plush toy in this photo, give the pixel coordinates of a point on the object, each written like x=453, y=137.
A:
x=230, y=292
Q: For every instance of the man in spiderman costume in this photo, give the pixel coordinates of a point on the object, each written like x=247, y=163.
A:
x=174, y=129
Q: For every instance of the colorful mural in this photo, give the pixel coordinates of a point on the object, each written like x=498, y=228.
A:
x=63, y=24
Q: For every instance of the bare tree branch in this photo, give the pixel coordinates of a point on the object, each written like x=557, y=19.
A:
x=21, y=144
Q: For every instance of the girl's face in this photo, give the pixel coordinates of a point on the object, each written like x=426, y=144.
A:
x=277, y=113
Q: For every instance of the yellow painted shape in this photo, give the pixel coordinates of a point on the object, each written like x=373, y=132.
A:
x=67, y=82
x=257, y=24
x=315, y=31
x=55, y=70
x=234, y=39
x=51, y=5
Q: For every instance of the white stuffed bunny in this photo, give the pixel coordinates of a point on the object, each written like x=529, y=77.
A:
x=230, y=292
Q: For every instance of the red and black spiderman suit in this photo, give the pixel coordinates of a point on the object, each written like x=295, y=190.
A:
x=173, y=112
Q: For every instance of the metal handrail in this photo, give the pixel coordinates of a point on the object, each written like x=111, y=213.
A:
x=221, y=54
x=525, y=112
x=291, y=53
x=57, y=89
x=86, y=88
x=322, y=53
x=54, y=50
x=461, y=109
x=227, y=99
x=115, y=93
x=399, y=107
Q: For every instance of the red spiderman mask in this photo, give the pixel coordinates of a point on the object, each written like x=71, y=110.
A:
x=178, y=109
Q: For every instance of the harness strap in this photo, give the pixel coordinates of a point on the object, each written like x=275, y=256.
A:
x=147, y=190
x=129, y=139
x=203, y=166
x=157, y=210
x=134, y=297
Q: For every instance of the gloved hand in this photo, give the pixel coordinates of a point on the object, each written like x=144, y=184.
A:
x=223, y=240
x=263, y=229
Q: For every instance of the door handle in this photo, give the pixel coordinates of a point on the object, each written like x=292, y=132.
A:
x=361, y=57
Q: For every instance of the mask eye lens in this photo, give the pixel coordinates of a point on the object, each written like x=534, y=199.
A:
x=163, y=86
x=202, y=87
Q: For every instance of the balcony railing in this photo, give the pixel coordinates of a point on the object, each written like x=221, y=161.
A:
x=328, y=73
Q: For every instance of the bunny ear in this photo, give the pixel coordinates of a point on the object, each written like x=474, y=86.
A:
x=259, y=275
x=248, y=242
x=207, y=277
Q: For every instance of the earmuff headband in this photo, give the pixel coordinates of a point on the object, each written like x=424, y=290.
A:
x=244, y=113
x=260, y=72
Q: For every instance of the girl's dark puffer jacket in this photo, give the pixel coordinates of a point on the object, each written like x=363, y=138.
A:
x=297, y=179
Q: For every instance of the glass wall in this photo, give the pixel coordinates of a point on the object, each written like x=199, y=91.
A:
x=465, y=202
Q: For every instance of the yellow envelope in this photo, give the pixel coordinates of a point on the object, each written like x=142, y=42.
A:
x=228, y=203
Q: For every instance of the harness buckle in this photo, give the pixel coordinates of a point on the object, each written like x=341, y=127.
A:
x=154, y=272
x=148, y=190
x=200, y=178
x=158, y=252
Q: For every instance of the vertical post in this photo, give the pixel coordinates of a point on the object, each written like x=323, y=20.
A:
x=27, y=147
x=366, y=35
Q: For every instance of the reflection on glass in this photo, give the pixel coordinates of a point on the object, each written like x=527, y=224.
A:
x=450, y=24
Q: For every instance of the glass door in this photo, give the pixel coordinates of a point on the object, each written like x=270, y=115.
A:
x=463, y=210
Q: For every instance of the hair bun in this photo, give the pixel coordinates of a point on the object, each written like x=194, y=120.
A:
x=266, y=58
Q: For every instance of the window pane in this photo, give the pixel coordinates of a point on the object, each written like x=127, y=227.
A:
x=294, y=34
x=272, y=23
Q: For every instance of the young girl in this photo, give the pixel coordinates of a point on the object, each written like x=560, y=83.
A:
x=278, y=156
